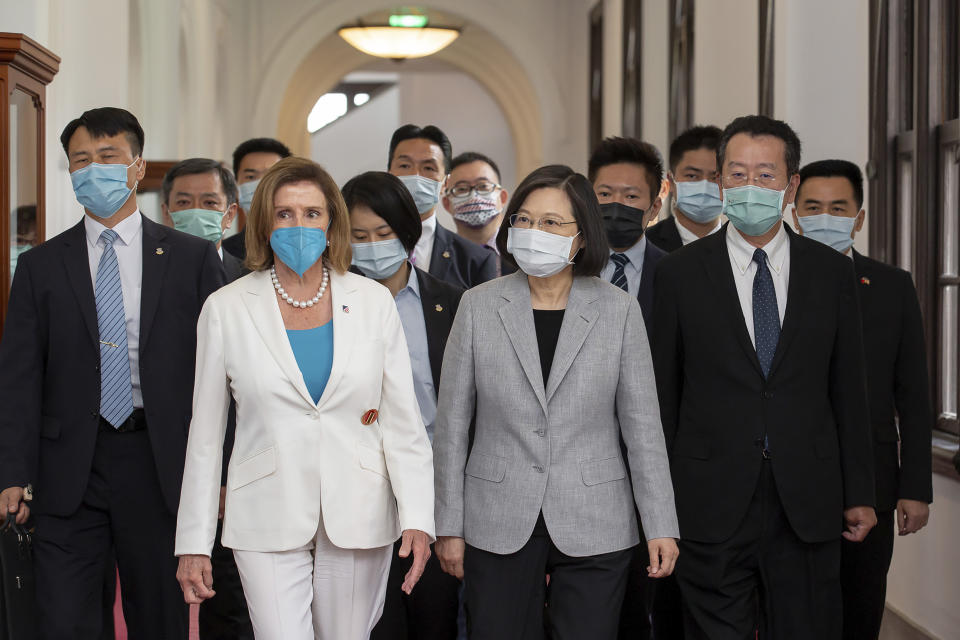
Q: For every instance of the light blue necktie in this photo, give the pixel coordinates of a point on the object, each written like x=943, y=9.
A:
x=619, y=278
x=766, y=316
x=116, y=389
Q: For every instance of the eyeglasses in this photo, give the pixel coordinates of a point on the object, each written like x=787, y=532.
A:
x=548, y=223
x=461, y=190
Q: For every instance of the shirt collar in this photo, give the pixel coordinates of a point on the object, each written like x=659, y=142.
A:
x=413, y=284
x=742, y=251
x=687, y=236
x=635, y=253
x=127, y=229
x=429, y=226
x=492, y=243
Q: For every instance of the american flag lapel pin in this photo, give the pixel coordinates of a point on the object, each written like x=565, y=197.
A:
x=864, y=280
x=346, y=309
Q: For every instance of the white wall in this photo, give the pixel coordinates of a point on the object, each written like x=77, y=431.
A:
x=725, y=60
x=654, y=74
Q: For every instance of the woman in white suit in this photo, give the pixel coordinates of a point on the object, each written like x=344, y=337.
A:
x=331, y=460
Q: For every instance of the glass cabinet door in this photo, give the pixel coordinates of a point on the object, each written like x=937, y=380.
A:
x=24, y=183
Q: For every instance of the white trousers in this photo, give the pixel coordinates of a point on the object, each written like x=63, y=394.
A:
x=317, y=592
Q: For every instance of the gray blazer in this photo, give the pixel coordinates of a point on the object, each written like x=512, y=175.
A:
x=553, y=447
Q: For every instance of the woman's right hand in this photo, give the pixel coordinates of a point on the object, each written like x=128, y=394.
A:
x=449, y=550
x=195, y=575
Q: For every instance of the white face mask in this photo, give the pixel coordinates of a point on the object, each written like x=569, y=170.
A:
x=538, y=253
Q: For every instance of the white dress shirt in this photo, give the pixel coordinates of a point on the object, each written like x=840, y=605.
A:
x=424, y=248
x=687, y=236
x=744, y=270
x=129, y=250
x=633, y=269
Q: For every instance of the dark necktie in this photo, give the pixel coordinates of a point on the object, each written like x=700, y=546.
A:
x=619, y=278
x=766, y=317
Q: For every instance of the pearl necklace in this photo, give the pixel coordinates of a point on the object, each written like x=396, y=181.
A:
x=298, y=304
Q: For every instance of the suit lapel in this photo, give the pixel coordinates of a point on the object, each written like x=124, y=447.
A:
x=435, y=319
x=720, y=272
x=156, y=255
x=578, y=321
x=517, y=318
x=342, y=294
x=645, y=294
x=440, y=254
x=260, y=301
x=798, y=288
x=76, y=260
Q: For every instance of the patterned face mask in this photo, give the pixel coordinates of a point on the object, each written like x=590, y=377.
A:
x=474, y=210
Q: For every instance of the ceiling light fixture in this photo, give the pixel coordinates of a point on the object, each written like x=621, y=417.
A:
x=404, y=36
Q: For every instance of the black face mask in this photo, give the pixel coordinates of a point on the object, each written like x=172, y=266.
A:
x=623, y=224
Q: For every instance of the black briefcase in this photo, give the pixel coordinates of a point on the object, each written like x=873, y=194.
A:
x=18, y=604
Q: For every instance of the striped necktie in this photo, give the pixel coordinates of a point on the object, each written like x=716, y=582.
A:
x=116, y=389
x=619, y=278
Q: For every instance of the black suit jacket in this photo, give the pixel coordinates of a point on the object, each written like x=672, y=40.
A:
x=716, y=405
x=232, y=266
x=236, y=245
x=440, y=302
x=897, y=384
x=50, y=360
x=651, y=257
x=664, y=234
x=460, y=262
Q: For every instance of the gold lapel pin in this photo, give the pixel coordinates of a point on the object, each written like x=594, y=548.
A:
x=438, y=308
x=159, y=251
x=446, y=254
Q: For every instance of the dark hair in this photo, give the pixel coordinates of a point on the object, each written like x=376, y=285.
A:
x=472, y=156
x=386, y=196
x=258, y=145
x=698, y=137
x=104, y=122
x=755, y=126
x=630, y=151
x=834, y=169
x=429, y=132
x=194, y=166
x=592, y=258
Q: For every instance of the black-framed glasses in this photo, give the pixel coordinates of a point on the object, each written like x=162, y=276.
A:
x=548, y=223
x=461, y=190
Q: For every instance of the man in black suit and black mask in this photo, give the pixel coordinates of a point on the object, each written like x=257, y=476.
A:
x=96, y=380
x=759, y=361
x=829, y=208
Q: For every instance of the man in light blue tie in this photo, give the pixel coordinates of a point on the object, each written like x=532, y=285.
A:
x=96, y=377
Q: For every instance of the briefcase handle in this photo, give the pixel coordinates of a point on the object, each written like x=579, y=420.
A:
x=23, y=534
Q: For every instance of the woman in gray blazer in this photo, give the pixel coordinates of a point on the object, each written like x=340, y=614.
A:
x=546, y=372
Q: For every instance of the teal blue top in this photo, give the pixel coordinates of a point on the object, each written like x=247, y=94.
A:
x=313, y=349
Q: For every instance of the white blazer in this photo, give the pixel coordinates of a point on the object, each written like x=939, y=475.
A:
x=291, y=457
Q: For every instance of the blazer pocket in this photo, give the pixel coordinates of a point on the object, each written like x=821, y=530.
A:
x=373, y=460
x=599, y=471
x=691, y=447
x=251, y=468
x=49, y=428
x=826, y=446
x=486, y=467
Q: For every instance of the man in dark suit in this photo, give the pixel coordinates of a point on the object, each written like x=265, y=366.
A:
x=96, y=377
x=693, y=190
x=829, y=208
x=199, y=197
x=476, y=200
x=251, y=159
x=421, y=158
x=758, y=356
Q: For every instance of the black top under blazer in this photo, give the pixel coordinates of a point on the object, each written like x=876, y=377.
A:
x=716, y=405
x=50, y=361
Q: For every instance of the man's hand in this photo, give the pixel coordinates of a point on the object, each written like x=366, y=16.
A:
x=663, y=557
x=419, y=542
x=912, y=515
x=195, y=575
x=11, y=501
x=450, y=554
x=859, y=522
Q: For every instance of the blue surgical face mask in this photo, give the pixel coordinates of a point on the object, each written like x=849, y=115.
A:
x=834, y=231
x=246, y=194
x=753, y=210
x=700, y=201
x=425, y=192
x=298, y=247
x=203, y=223
x=379, y=260
x=102, y=188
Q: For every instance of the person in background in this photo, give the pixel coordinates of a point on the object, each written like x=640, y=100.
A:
x=199, y=197
x=760, y=372
x=530, y=477
x=251, y=159
x=476, y=200
x=96, y=372
x=829, y=208
x=421, y=158
x=384, y=228
x=694, y=190
x=331, y=460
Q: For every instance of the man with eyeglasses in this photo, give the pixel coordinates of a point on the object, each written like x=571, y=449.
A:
x=476, y=201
